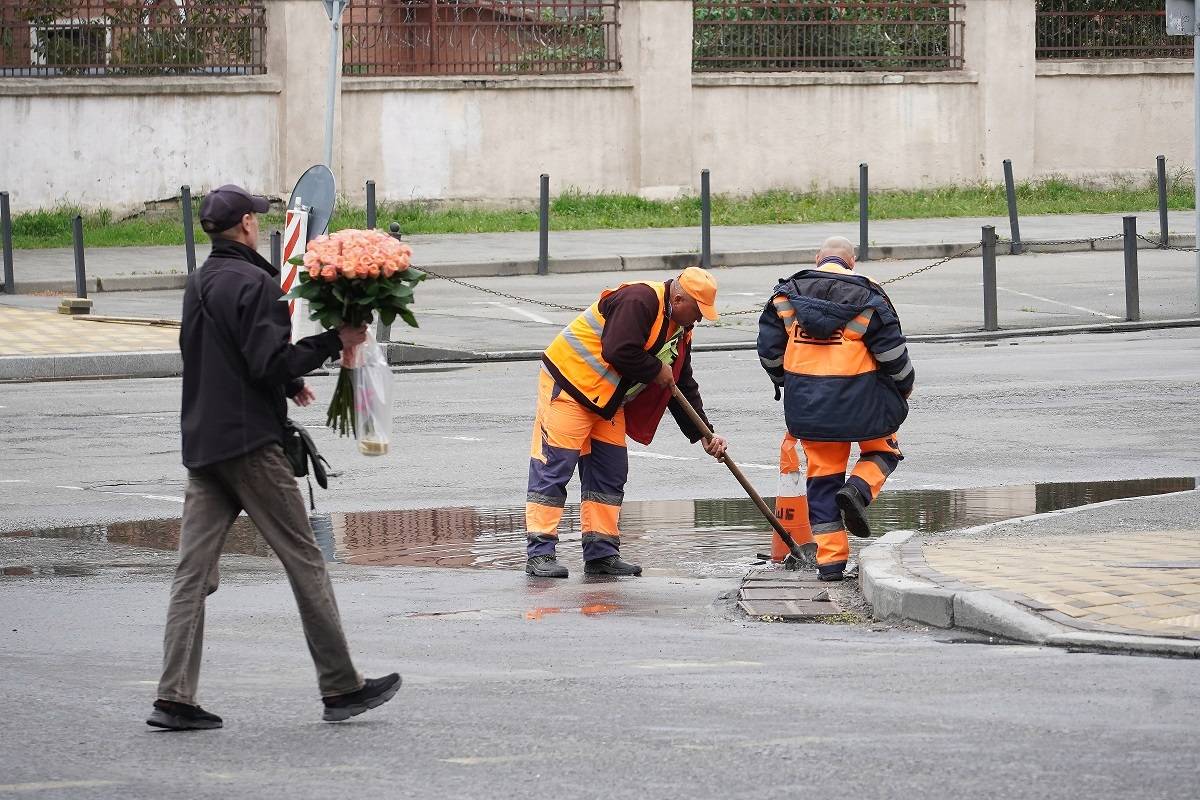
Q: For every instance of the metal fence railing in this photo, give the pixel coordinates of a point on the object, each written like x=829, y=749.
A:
x=1081, y=29
x=827, y=35
x=480, y=37
x=53, y=38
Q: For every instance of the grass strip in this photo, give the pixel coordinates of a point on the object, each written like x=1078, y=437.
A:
x=578, y=211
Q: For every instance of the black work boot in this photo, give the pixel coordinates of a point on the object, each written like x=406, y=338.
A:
x=545, y=567
x=611, y=565
x=854, y=511
x=182, y=717
x=830, y=577
x=374, y=693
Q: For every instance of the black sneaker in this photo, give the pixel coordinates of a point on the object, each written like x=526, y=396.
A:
x=854, y=511
x=611, y=565
x=545, y=567
x=182, y=717
x=374, y=693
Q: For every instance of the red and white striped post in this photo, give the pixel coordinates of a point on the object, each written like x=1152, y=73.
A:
x=295, y=242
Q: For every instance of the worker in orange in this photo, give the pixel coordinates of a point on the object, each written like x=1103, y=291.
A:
x=609, y=373
x=831, y=339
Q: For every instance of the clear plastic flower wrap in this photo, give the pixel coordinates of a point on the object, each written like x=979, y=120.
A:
x=371, y=379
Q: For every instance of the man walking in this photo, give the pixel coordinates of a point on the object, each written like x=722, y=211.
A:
x=832, y=340
x=613, y=366
x=238, y=366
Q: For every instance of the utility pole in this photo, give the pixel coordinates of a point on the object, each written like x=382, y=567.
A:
x=335, y=9
x=1182, y=21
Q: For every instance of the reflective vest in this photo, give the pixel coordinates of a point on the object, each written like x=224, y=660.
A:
x=841, y=354
x=577, y=360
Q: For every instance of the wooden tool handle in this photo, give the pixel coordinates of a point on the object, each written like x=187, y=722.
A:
x=737, y=473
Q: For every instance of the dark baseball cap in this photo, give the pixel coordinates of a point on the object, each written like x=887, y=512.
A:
x=225, y=206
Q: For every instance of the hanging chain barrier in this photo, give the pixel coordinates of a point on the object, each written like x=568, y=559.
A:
x=1159, y=245
x=1089, y=240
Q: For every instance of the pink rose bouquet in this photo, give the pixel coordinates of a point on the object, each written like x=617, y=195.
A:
x=348, y=277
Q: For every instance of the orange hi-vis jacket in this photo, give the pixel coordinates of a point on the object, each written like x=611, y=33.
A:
x=575, y=358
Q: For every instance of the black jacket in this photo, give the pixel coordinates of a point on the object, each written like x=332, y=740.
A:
x=832, y=406
x=239, y=365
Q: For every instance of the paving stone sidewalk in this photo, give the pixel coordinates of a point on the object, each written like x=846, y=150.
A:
x=1120, y=576
x=33, y=332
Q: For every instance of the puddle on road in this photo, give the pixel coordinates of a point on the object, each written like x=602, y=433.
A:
x=702, y=538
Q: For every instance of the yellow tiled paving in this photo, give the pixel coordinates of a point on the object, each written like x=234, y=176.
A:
x=1088, y=578
x=32, y=332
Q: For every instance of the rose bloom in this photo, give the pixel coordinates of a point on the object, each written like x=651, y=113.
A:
x=329, y=272
x=373, y=271
x=314, y=273
x=312, y=259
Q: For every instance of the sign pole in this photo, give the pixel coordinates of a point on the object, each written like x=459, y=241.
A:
x=334, y=8
x=1181, y=21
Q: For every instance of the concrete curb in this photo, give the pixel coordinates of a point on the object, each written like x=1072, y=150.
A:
x=167, y=363
x=896, y=594
x=620, y=263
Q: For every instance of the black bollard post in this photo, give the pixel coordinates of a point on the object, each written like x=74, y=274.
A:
x=383, y=333
x=80, y=268
x=1133, y=310
x=1010, y=193
x=990, y=316
x=863, y=254
x=371, y=205
x=705, y=221
x=544, y=226
x=1164, y=236
x=6, y=236
x=277, y=250
x=189, y=232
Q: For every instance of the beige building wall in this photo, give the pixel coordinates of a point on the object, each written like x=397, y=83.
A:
x=649, y=130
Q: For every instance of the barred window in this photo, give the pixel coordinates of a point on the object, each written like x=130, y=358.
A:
x=50, y=38
x=827, y=35
x=1107, y=29
x=480, y=37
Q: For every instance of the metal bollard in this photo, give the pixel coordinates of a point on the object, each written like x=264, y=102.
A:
x=189, y=231
x=544, y=226
x=705, y=221
x=6, y=236
x=1010, y=193
x=80, y=268
x=1164, y=236
x=371, y=205
x=863, y=254
x=990, y=316
x=1133, y=309
x=383, y=333
x=277, y=250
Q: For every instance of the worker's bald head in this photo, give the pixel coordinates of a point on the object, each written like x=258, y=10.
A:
x=837, y=247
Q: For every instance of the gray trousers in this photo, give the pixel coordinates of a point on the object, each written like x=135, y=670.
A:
x=260, y=483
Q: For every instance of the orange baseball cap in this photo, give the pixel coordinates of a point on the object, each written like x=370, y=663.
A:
x=701, y=286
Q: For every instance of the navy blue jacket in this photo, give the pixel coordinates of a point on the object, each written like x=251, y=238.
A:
x=834, y=407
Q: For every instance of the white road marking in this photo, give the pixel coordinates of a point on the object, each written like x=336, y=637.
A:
x=167, y=498
x=1091, y=311
x=473, y=760
x=44, y=785
x=696, y=664
x=757, y=466
x=516, y=310
x=663, y=456
x=12, y=481
x=463, y=438
x=76, y=488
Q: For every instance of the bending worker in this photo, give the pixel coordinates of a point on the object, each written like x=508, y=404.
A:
x=832, y=340
x=612, y=367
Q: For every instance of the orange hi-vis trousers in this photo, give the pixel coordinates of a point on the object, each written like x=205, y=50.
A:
x=827, y=462
x=791, y=502
x=566, y=434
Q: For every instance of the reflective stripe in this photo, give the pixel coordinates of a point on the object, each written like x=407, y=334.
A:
x=783, y=307
x=589, y=317
x=771, y=362
x=886, y=465
x=546, y=500
x=827, y=527
x=581, y=350
x=861, y=327
x=891, y=355
x=602, y=497
x=904, y=373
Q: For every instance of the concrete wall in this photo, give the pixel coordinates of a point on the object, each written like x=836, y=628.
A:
x=649, y=129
